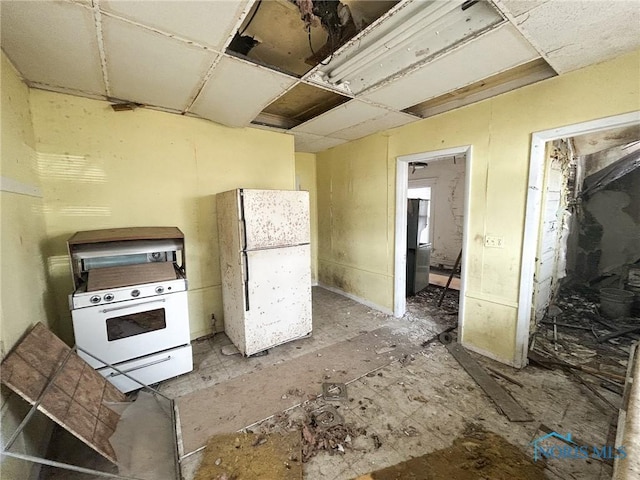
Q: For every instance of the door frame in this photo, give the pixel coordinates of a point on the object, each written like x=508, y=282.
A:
x=533, y=210
x=400, y=257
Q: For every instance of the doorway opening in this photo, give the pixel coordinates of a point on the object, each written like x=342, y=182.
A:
x=432, y=211
x=582, y=241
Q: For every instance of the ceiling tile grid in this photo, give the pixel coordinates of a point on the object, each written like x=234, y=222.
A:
x=53, y=43
x=205, y=22
x=307, y=142
x=171, y=55
x=344, y=116
x=385, y=121
x=149, y=68
x=237, y=92
x=591, y=31
x=493, y=52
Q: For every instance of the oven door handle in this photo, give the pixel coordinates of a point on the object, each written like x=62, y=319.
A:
x=124, y=307
x=115, y=374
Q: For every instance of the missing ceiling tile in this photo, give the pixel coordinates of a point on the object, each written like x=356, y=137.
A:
x=293, y=36
x=520, y=76
x=301, y=103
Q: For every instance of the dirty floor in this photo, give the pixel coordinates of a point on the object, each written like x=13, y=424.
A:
x=416, y=402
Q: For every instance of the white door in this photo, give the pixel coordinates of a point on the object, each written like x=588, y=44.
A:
x=275, y=218
x=279, y=297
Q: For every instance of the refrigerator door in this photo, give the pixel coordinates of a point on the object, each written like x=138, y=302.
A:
x=423, y=264
x=274, y=218
x=232, y=265
x=413, y=210
x=279, y=297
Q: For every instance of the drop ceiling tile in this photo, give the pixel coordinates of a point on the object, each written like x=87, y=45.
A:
x=576, y=34
x=384, y=122
x=494, y=52
x=152, y=69
x=518, y=7
x=238, y=91
x=344, y=116
x=53, y=43
x=309, y=143
x=205, y=22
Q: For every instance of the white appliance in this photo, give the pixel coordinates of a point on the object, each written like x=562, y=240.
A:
x=129, y=306
x=265, y=261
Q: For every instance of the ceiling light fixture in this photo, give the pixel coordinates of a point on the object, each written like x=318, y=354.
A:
x=412, y=33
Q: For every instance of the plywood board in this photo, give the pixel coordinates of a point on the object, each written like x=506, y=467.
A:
x=252, y=457
x=113, y=277
x=76, y=398
x=499, y=395
x=232, y=405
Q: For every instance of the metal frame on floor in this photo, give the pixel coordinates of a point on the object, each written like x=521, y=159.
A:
x=75, y=468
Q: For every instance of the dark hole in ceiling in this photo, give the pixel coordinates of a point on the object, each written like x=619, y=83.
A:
x=294, y=36
x=303, y=102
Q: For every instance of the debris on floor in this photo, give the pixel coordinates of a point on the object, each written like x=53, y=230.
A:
x=575, y=337
x=383, y=350
x=430, y=296
x=474, y=456
x=505, y=402
x=322, y=427
x=334, y=391
x=249, y=456
x=229, y=350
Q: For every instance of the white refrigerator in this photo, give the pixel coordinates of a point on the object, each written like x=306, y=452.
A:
x=265, y=262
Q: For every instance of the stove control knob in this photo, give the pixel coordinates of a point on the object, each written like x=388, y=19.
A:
x=95, y=299
x=135, y=293
x=108, y=297
x=159, y=290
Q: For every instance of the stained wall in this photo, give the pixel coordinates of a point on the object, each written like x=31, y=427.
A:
x=356, y=192
x=25, y=296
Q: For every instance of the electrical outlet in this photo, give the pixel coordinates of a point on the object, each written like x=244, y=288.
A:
x=493, y=241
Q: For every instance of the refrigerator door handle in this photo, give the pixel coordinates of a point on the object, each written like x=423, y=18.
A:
x=245, y=272
x=243, y=222
x=243, y=233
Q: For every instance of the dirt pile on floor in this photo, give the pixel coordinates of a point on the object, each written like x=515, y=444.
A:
x=477, y=455
x=251, y=457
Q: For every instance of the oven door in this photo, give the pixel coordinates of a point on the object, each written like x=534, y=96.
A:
x=126, y=330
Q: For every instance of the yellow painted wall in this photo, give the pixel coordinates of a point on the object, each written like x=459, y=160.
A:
x=24, y=295
x=306, y=180
x=101, y=169
x=355, y=220
x=356, y=191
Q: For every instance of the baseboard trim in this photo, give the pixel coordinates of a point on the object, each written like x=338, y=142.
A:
x=490, y=355
x=355, y=298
